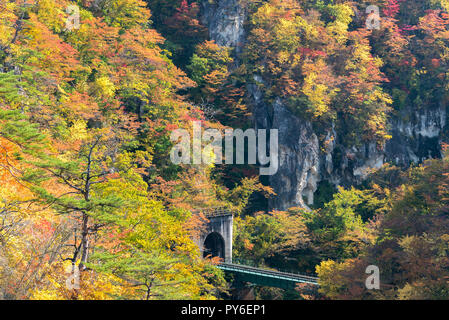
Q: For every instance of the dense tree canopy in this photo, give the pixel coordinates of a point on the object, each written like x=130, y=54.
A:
x=86, y=113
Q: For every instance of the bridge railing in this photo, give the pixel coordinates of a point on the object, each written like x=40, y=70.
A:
x=269, y=274
x=249, y=263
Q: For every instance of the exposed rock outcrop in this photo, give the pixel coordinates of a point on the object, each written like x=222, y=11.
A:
x=299, y=153
x=416, y=135
x=224, y=19
x=303, y=163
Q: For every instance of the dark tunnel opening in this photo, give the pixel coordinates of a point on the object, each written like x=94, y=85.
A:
x=214, y=246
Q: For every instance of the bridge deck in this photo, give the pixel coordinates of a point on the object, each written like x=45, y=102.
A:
x=267, y=277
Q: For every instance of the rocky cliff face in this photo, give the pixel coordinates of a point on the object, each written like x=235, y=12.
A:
x=224, y=19
x=416, y=135
x=299, y=153
x=303, y=163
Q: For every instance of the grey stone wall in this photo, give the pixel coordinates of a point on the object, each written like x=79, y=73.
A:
x=223, y=226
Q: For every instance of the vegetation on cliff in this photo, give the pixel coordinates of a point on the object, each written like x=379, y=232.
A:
x=85, y=120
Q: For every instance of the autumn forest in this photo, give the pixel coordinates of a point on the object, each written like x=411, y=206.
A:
x=92, y=206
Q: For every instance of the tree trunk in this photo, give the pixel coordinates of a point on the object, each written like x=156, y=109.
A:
x=85, y=242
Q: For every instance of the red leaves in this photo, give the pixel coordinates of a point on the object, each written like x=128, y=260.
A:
x=435, y=24
x=392, y=8
x=185, y=21
x=184, y=8
x=44, y=227
x=435, y=63
x=82, y=105
x=304, y=51
x=56, y=57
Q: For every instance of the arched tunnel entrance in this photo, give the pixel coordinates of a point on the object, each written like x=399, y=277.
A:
x=214, y=246
x=215, y=239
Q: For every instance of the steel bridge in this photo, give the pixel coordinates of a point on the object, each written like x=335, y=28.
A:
x=266, y=277
x=216, y=241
